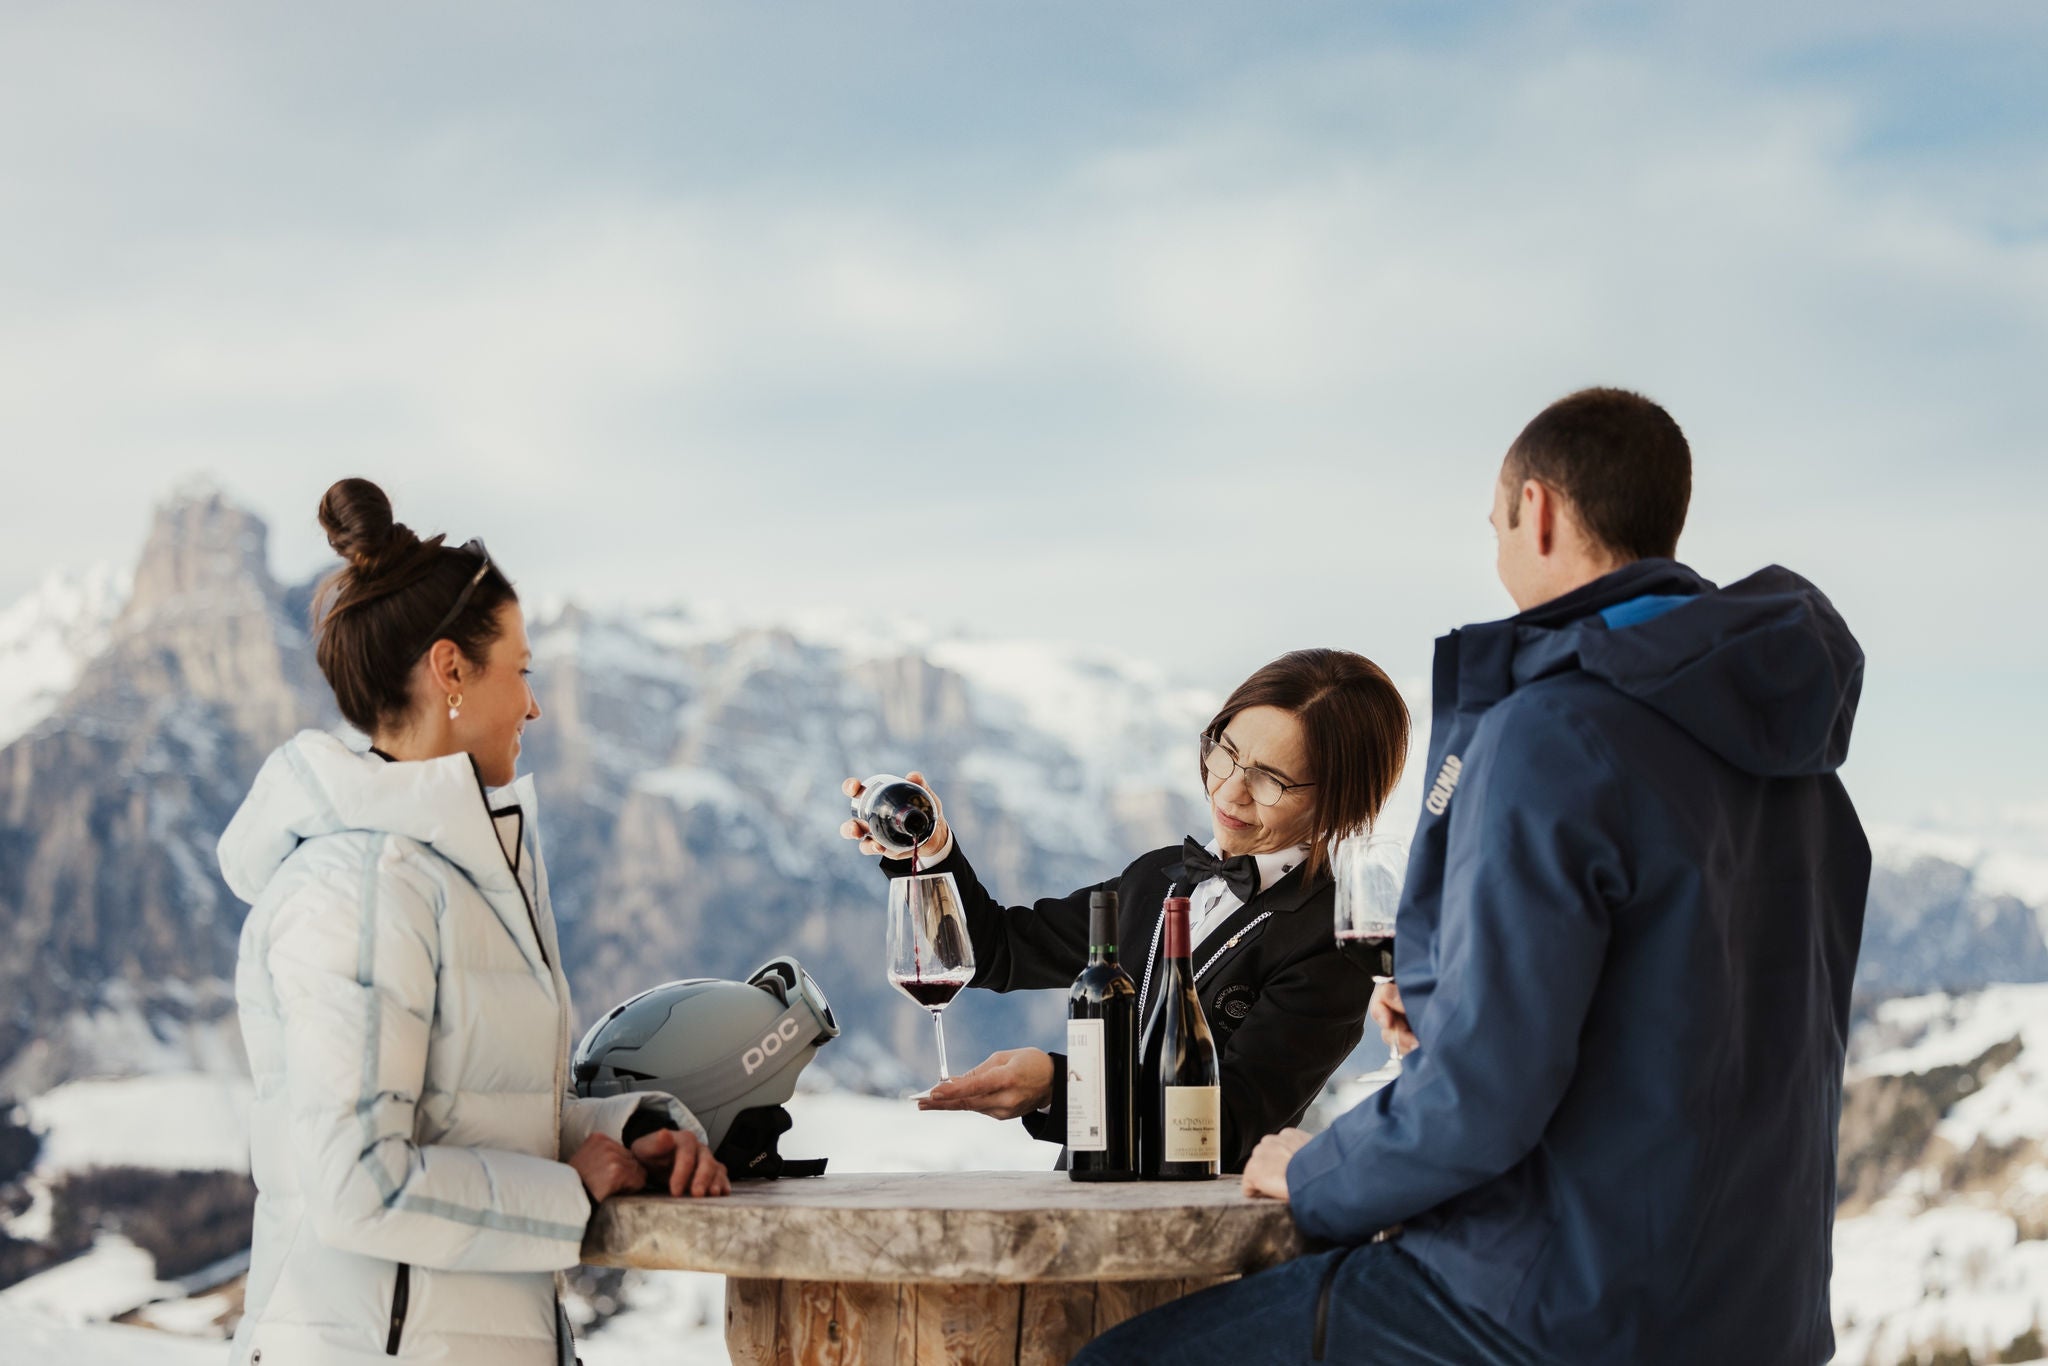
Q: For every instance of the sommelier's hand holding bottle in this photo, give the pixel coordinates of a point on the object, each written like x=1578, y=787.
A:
x=928, y=852
x=1014, y=1082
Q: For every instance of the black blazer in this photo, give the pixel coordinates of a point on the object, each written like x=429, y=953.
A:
x=1285, y=1007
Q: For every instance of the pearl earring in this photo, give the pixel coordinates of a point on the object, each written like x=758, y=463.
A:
x=454, y=705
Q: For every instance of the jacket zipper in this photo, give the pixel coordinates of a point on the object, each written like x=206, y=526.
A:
x=401, y=1294
x=490, y=819
x=539, y=943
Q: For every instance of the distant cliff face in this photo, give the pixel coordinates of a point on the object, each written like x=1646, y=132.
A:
x=121, y=936
x=690, y=802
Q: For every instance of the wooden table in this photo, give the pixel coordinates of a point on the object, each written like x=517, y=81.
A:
x=922, y=1269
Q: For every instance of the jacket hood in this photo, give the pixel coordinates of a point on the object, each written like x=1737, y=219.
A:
x=313, y=784
x=1763, y=672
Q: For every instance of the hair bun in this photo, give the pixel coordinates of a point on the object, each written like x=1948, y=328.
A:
x=356, y=515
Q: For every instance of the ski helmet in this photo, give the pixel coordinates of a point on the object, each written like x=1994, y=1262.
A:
x=730, y=1051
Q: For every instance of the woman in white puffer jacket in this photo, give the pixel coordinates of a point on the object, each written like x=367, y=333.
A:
x=422, y=1171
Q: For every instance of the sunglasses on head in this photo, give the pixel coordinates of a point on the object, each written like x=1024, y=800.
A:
x=475, y=548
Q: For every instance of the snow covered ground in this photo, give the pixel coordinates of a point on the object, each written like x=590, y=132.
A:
x=61, y=1314
x=196, y=1122
x=1917, y=1033
x=29, y=1339
x=1905, y=1279
x=1926, y=1265
x=1938, y=1261
x=111, y=1279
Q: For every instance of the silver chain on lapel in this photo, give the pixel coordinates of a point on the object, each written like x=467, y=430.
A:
x=1231, y=943
x=1158, y=927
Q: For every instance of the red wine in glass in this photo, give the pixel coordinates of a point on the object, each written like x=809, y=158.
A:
x=929, y=994
x=1372, y=952
x=931, y=956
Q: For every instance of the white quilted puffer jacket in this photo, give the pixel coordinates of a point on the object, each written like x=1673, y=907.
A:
x=408, y=1024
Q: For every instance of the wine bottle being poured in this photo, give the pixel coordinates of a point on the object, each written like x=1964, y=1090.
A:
x=898, y=813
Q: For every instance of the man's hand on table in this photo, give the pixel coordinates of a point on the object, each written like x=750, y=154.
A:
x=678, y=1159
x=1266, y=1173
x=1013, y=1082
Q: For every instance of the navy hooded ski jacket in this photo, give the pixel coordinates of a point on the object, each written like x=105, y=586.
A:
x=1633, y=907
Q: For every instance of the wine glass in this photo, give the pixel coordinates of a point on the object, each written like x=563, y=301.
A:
x=930, y=956
x=1369, y=869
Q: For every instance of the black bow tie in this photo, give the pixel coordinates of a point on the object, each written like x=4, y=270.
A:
x=1197, y=865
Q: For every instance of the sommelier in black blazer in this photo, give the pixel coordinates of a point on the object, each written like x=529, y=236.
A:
x=1304, y=752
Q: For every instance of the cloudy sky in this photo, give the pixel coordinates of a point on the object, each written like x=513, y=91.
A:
x=1192, y=330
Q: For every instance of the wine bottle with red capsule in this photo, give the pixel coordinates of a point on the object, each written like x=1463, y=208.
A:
x=1180, y=1130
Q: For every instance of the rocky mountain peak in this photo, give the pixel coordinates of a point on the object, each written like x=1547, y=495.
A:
x=204, y=553
x=205, y=624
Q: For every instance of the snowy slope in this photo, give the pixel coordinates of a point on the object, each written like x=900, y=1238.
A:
x=184, y=1121
x=673, y=1316
x=113, y=1278
x=1950, y=1276
x=1955, y=1252
x=1917, y=1034
x=1928, y=1265
x=28, y=1338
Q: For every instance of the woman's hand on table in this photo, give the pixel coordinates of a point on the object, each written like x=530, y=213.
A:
x=1013, y=1082
x=856, y=830
x=1386, y=1012
x=678, y=1159
x=607, y=1168
x=1266, y=1173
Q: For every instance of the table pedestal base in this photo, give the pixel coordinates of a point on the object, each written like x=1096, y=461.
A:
x=853, y=1323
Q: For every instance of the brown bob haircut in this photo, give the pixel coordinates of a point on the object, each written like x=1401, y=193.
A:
x=1620, y=460
x=375, y=616
x=1354, y=727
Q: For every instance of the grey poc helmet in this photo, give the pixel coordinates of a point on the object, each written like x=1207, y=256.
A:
x=730, y=1051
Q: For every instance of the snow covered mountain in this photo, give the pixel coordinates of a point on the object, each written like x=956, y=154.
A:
x=689, y=770
x=689, y=773
x=1952, y=913
x=47, y=638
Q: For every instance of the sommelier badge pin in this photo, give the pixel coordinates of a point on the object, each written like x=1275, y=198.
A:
x=1235, y=1000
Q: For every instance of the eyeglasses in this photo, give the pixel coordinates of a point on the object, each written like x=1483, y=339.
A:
x=475, y=548
x=1219, y=763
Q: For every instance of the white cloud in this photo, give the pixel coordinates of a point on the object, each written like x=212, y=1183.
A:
x=1248, y=348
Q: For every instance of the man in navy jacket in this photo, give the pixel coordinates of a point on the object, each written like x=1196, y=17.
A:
x=1625, y=948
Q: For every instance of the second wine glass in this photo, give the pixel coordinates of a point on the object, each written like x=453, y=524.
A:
x=931, y=957
x=1369, y=870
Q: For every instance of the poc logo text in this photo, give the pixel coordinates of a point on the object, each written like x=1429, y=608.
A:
x=755, y=1058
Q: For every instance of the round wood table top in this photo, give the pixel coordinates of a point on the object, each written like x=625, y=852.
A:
x=949, y=1226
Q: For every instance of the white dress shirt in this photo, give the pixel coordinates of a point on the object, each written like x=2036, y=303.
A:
x=1212, y=902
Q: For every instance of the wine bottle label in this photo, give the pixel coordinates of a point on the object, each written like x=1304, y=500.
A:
x=1087, y=1110
x=1194, y=1124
